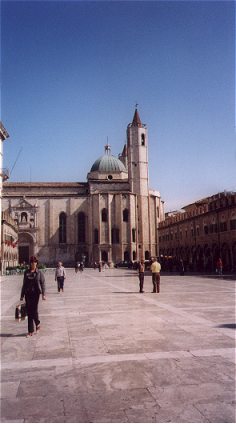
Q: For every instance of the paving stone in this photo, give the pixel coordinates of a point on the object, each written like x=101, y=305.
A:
x=107, y=405
x=9, y=389
x=179, y=395
x=218, y=412
x=37, y=407
x=105, y=353
x=180, y=414
x=39, y=419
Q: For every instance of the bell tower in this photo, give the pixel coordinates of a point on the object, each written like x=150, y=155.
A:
x=137, y=146
x=137, y=143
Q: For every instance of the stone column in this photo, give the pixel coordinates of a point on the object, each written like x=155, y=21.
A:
x=51, y=222
x=109, y=226
x=99, y=227
x=130, y=230
x=90, y=210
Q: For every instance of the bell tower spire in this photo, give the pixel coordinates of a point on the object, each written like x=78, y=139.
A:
x=137, y=142
x=136, y=119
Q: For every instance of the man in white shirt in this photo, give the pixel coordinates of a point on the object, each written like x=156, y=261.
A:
x=60, y=275
x=156, y=269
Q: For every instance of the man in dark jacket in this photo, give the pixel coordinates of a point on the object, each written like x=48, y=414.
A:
x=141, y=269
x=33, y=286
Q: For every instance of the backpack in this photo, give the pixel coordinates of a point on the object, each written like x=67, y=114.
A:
x=32, y=283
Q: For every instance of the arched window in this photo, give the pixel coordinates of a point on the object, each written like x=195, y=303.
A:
x=223, y=224
x=62, y=227
x=133, y=235
x=96, y=236
x=24, y=217
x=115, y=235
x=143, y=139
x=233, y=222
x=125, y=215
x=104, y=215
x=126, y=256
x=81, y=227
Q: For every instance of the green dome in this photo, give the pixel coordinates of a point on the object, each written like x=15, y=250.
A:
x=108, y=164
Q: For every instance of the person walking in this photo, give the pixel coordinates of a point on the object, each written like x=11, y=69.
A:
x=141, y=269
x=219, y=266
x=33, y=286
x=156, y=269
x=60, y=276
x=181, y=267
x=77, y=265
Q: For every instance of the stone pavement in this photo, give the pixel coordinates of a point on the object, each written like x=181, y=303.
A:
x=107, y=353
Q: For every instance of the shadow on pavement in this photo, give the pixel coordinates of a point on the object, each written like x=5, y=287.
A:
x=12, y=335
x=118, y=276
x=125, y=292
x=233, y=326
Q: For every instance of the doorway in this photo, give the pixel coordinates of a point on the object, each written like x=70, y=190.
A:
x=23, y=254
x=104, y=256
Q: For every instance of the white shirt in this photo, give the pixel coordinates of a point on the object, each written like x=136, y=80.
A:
x=60, y=272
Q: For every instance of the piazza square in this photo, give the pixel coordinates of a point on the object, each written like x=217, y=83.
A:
x=107, y=353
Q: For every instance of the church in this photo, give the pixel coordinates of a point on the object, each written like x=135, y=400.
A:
x=111, y=217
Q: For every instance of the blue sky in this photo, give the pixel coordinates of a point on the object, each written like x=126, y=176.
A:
x=73, y=71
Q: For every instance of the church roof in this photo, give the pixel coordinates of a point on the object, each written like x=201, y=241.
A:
x=108, y=164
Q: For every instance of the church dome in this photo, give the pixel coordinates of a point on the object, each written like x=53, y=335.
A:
x=108, y=164
x=108, y=167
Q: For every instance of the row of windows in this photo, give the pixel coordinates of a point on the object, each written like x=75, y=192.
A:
x=207, y=229
x=115, y=235
x=115, y=232
x=213, y=228
x=222, y=203
x=134, y=255
x=104, y=215
x=63, y=227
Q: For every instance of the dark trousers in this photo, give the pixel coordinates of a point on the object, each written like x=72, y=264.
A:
x=156, y=282
x=60, y=283
x=141, y=281
x=32, y=301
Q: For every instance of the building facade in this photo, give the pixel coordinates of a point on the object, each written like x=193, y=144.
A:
x=200, y=234
x=4, y=230
x=9, y=243
x=113, y=216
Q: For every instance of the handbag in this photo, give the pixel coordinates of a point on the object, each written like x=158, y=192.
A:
x=21, y=312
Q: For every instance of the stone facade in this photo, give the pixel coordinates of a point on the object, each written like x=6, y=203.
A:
x=111, y=217
x=200, y=234
x=9, y=242
x=4, y=175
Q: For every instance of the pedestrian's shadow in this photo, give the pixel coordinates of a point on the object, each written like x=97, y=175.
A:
x=118, y=276
x=12, y=335
x=233, y=326
x=125, y=292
